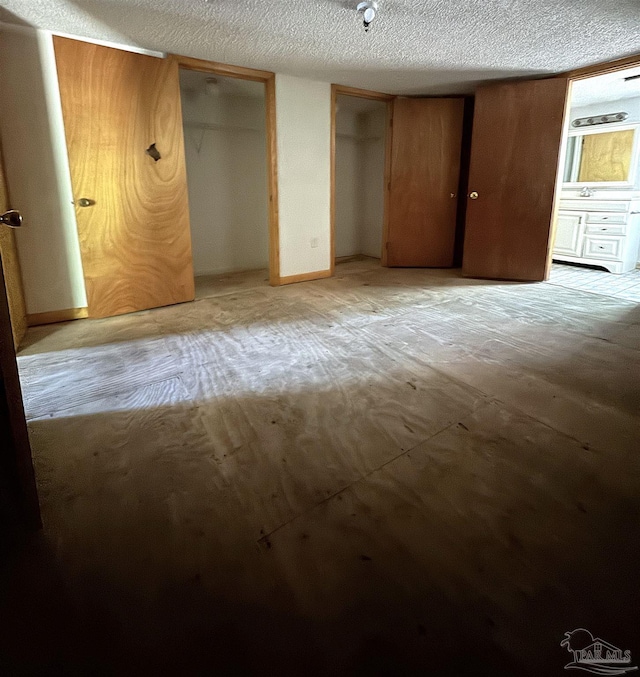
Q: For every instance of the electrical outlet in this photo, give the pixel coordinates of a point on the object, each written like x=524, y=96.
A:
x=314, y=242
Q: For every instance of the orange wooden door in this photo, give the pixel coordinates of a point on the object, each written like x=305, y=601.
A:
x=515, y=152
x=425, y=172
x=11, y=268
x=123, y=124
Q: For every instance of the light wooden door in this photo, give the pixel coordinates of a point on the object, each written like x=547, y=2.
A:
x=123, y=124
x=11, y=267
x=425, y=172
x=515, y=152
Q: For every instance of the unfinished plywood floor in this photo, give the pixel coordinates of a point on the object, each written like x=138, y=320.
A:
x=391, y=472
x=210, y=286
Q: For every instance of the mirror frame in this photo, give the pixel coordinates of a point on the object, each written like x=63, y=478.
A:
x=635, y=156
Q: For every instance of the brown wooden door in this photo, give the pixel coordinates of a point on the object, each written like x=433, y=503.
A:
x=515, y=151
x=123, y=124
x=425, y=172
x=11, y=268
x=18, y=497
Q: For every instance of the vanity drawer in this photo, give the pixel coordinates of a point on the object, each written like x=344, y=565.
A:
x=603, y=247
x=605, y=229
x=607, y=217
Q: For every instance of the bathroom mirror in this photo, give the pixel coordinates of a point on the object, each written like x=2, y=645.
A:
x=602, y=157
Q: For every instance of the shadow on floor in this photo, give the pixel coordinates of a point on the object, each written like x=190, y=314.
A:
x=471, y=553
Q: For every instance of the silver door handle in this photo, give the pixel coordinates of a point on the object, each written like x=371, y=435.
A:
x=474, y=195
x=85, y=202
x=12, y=218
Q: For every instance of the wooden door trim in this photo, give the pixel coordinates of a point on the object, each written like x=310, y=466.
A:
x=388, y=161
x=362, y=93
x=601, y=68
x=55, y=316
x=269, y=81
x=221, y=68
x=375, y=96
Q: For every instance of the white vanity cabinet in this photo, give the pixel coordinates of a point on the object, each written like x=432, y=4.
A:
x=570, y=233
x=599, y=233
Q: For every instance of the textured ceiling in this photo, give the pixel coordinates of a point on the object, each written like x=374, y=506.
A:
x=415, y=46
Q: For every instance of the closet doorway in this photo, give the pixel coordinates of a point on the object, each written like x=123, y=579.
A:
x=228, y=122
x=361, y=132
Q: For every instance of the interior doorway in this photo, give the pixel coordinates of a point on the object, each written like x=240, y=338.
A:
x=225, y=138
x=596, y=246
x=361, y=135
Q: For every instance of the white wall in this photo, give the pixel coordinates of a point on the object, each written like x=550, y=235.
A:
x=38, y=172
x=373, y=153
x=228, y=181
x=348, y=188
x=303, y=118
x=360, y=155
x=631, y=106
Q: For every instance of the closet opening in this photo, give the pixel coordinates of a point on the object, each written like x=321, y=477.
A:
x=361, y=124
x=596, y=239
x=228, y=151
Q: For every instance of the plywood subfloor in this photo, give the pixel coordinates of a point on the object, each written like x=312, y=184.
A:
x=391, y=472
x=209, y=286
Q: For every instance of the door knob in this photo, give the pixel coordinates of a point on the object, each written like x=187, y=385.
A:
x=12, y=218
x=474, y=195
x=85, y=202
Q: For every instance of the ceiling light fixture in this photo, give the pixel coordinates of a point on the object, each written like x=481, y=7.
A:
x=600, y=119
x=368, y=10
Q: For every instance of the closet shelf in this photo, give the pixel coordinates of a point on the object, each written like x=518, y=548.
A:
x=216, y=127
x=358, y=138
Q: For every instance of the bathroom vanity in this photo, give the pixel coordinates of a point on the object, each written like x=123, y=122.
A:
x=598, y=221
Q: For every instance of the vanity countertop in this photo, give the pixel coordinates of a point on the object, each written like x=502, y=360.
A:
x=600, y=195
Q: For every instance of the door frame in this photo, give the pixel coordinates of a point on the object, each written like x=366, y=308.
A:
x=374, y=96
x=269, y=81
x=572, y=76
x=601, y=68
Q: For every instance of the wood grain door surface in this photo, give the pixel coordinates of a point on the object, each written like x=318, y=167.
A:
x=11, y=267
x=515, y=151
x=120, y=108
x=425, y=172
